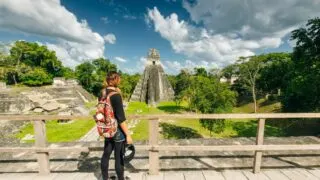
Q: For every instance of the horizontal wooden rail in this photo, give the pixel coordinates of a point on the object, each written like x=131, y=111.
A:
x=172, y=148
x=44, y=149
x=237, y=148
x=63, y=149
x=171, y=116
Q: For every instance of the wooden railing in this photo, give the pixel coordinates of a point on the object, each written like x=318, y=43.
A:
x=42, y=150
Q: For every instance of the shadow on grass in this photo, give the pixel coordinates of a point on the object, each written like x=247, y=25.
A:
x=172, y=109
x=268, y=102
x=249, y=129
x=243, y=100
x=170, y=131
x=297, y=127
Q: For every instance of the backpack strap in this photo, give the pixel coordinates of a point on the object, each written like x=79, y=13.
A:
x=103, y=95
x=111, y=94
x=106, y=96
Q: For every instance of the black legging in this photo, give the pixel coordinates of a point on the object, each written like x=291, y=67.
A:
x=118, y=147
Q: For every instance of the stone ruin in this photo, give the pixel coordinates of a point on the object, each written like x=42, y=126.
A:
x=153, y=86
x=62, y=100
x=59, y=81
x=3, y=85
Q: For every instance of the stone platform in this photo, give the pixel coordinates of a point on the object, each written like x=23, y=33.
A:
x=283, y=174
x=180, y=164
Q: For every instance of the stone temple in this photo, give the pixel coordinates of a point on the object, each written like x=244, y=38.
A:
x=153, y=86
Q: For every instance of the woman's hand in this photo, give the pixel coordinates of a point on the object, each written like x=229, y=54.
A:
x=129, y=139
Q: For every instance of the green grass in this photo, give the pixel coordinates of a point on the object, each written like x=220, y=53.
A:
x=141, y=131
x=91, y=104
x=57, y=132
x=191, y=128
x=171, y=129
x=141, y=108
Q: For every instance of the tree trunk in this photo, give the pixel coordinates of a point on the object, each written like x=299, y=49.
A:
x=14, y=79
x=17, y=69
x=254, y=98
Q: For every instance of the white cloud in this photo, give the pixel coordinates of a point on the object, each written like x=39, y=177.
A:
x=76, y=40
x=198, y=43
x=230, y=28
x=5, y=47
x=110, y=38
x=174, y=67
x=129, y=70
x=120, y=59
x=73, y=53
x=170, y=27
x=143, y=60
x=261, y=18
x=129, y=17
x=45, y=17
x=105, y=20
x=292, y=43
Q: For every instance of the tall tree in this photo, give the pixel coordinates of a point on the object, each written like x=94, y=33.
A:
x=275, y=74
x=128, y=83
x=208, y=95
x=34, y=54
x=302, y=93
x=85, y=75
x=249, y=68
x=92, y=74
x=229, y=71
x=200, y=71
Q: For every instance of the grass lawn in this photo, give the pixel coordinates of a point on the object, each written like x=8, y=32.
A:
x=62, y=132
x=188, y=128
x=57, y=132
x=170, y=129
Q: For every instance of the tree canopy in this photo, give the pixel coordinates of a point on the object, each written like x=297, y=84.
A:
x=302, y=93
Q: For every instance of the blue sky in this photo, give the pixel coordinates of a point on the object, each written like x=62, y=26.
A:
x=206, y=33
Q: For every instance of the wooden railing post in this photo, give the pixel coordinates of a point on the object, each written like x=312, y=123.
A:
x=153, y=141
x=259, y=141
x=41, y=141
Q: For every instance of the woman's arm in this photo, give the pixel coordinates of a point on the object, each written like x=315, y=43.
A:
x=125, y=129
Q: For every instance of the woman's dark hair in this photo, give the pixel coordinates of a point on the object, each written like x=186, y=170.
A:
x=113, y=78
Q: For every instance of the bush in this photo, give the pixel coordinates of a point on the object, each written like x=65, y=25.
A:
x=36, y=77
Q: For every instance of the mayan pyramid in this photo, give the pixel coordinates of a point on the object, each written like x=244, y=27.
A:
x=153, y=86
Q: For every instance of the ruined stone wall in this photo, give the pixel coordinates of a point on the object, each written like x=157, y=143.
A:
x=45, y=100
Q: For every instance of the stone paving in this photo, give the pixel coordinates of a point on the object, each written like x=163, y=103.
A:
x=283, y=174
x=175, y=161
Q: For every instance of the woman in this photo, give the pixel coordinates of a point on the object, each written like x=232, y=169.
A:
x=117, y=142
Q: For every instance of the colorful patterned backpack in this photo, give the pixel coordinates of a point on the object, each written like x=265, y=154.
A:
x=107, y=124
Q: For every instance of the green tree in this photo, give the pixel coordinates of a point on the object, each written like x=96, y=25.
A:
x=249, y=68
x=103, y=66
x=128, y=83
x=302, y=93
x=275, y=74
x=230, y=70
x=67, y=73
x=85, y=75
x=182, y=86
x=208, y=95
x=200, y=71
x=36, y=77
x=35, y=55
x=4, y=66
x=92, y=74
